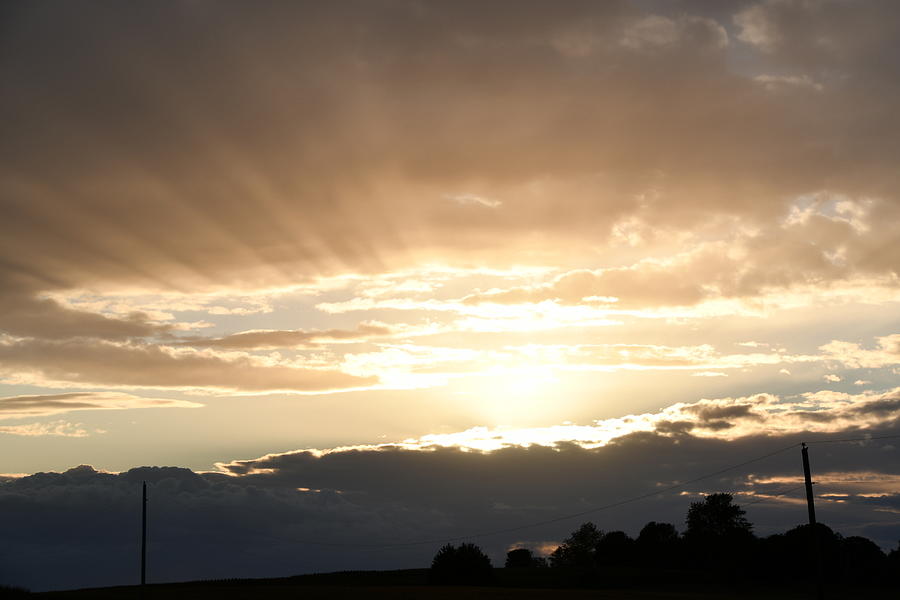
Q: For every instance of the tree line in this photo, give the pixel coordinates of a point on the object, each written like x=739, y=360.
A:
x=718, y=543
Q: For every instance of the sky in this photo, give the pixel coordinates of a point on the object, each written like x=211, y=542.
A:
x=388, y=271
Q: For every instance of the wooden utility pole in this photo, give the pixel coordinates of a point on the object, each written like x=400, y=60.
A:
x=810, y=507
x=814, y=529
x=144, y=534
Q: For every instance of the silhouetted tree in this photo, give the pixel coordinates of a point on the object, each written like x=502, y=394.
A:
x=523, y=558
x=775, y=557
x=862, y=561
x=8, y=591
x=718, y=537
x=658, y=545
x=463, y=565
x=794, y=554
x=579, y=549
x=615, y=548
x=893, y=564
x=801, y=542
x=716, y=517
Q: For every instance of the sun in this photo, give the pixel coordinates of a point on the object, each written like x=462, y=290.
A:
x=517, y=395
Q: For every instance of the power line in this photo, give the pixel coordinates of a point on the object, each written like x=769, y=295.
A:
x=773, y=496
x=860, y=439
x=563, y=517
x=595, y=509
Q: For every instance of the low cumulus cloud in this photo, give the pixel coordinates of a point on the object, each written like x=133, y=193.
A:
x=854, y=356
x=725, y=419
x=303, y=511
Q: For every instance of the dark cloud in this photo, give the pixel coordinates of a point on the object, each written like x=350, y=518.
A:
x=885, y=407
x=711, y=412
x=63, y=526
x=257, y=143
x=670, y=427
x=812, y=416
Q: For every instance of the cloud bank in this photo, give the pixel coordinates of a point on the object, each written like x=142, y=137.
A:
x=302, y=511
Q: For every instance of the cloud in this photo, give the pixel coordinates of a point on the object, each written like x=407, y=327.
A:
x=755, y=28
x=516, y=476
x=57, y=428
x=316, y=510
x=411, y=365
x=25, y=316
x=656, y=31
x=854, y=356
x=786, y=82
x=18, y=407
x=826, y=247
x=729, y=419
x=246, y=200
x=269, y=339
x=474, y=199
x=287, y=513
x=80, y=363
x=826, y=34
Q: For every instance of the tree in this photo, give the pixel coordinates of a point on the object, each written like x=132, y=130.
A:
x=465, y=565
x=579, y=549
x=862, y=561
x=810, y=543
x=658, y=544
x=716, y=518
x=523, y=558
x=615, y=548
x=718, y=537
x=893, y=564
x=851, y=560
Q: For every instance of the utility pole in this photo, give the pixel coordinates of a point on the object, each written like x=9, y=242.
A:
x=810, y=507
x=814, y=529
x=144, y=534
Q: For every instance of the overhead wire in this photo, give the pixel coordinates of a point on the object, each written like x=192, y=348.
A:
x=603, y=507
x=773, y=496
x=566, y=517
x=859, y=439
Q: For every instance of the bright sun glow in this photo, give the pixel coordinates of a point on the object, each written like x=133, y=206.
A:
x=511, y=395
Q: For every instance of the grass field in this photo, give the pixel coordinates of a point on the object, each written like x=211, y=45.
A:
x=412, y=585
